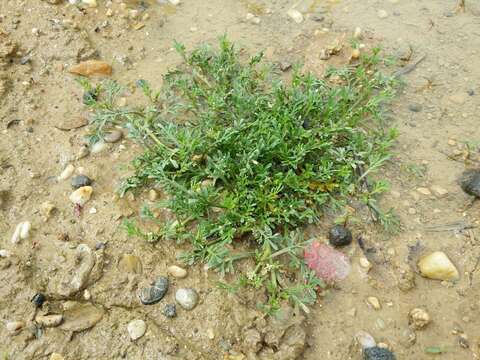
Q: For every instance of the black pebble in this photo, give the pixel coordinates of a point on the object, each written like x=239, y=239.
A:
x=38, y=299
x=153, y=294
x=470, y=182
x=80, y=181
x=339, y=235
x=170, y=310
x=377, y=353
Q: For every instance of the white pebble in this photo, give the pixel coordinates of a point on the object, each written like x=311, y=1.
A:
x=91, y=3
x=67, y=172
x=177, y=271
x=136, y=329
x=98, y=147
x=365, y=339
x=14, y=326
x=22, y=231
x=5, y=253
x=81, y=195
x=187, y=298
x=295, y=15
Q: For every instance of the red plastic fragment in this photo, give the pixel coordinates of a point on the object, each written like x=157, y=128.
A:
x=329, y=264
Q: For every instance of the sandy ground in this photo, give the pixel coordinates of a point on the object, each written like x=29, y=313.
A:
x=38, y=97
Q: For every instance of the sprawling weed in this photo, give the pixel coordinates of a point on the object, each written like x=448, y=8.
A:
x=247, y=160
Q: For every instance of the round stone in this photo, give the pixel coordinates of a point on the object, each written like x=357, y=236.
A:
x=377, y=353
x=38, y=299
x=136, y=329
x=113, y=136
x=339, y=235
x=170, y=310
x=81, y=181
x=470, y=182
x=187, y=298
x=153, y=294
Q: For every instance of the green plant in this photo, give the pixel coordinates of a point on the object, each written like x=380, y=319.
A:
x=247, y=160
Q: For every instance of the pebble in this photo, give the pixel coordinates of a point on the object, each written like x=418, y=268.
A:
x=91, y=67
x=365, y=339
x=49, y=320
x=4, y=253
x=98, y=147
x=470, y=182
x=91, y=3
x=177, y=271
x=79, y=181
x=438, y=191
x=81, y=195
x=153, y=294
x=415, y=107
x=438, y=266
x=170, y=310
x=365, y=264
x=382, y=14
x=295, y=15
x=418, y=318
x=339, y=235
x=46, y=209
x=56, y=356
x=424, y=191
x=358, y=33
x=355, y=54
x=187, y=298
x=113, y=136
x=152, y=195
x=67, y=124
x=136, y=329
x=253, y=19
x=38, y=299
x=459, y=98
x=374, y=302
x=377, y=353
x=66, y=173
x=22, y=231
x=82, y=153
x=14, y=326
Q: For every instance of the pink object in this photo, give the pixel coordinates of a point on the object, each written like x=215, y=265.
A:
x=329, y=264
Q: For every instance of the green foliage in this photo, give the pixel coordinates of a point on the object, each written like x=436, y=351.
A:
x=246, y=158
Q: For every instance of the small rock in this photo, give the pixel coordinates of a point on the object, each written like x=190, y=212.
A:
x=253, y=19
x=170, y=310
x=14, y=326
x=4, y=253
x=210, y=334
x=285, y=66
x=355, y=54
x=339, y=235
x=470, y=182
x=418, y=318
x=113, y=136
x=412, y=211
x=365, y=340
x=295, y=15
x=46, y=209
x=377, y=353
x=80, y=317
x=459, y=98
x=66, y=173
x=90, y=3
x=382, y=14
x=49, y=320
x=187, y=298
x=130, y=264
x=71, y=123
x=79, y=181
x=22, y=231
x=471, y=92
x=136, y=329
x=56, y=356
x=408, y=338
x=373, y=302
x=365, y=264
x=438, y=191
x=81, y=195
x=177, y=271
x=424, y=191
x=153, y=294
x=357, y=34
x=91, y=67
x=406, y=279
x=415, y=107
x=152, y=195
x=98, y=147
x=82, y=153
x=38, y=299
x=438, y=266
x=451, y=142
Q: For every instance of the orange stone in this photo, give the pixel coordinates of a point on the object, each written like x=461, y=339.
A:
x=91, y=67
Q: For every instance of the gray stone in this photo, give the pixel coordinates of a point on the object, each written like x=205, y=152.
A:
x=187, y=298
x=80, y=181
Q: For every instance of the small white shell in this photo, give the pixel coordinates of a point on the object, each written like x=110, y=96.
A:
x=67, y=172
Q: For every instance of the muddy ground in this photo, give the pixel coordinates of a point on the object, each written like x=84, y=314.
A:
x=436, y=114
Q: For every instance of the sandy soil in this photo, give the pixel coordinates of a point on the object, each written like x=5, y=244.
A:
x=39, y=41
